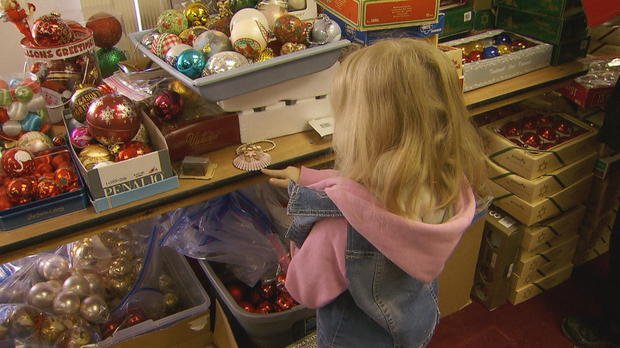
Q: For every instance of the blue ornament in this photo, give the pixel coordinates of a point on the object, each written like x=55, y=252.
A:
x=191, y=62
x=13, y=83
x=502, y=39
x=32, y=122
x=490, y=52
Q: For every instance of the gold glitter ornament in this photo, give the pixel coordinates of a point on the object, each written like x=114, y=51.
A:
x=171, y=302
x=93, y=154
x=264, y=55
x=21, y=322
x=118, y=268
x=75, y=337
x=50, y=329
x=197, y=14
x=290, y=47
x=503, y=49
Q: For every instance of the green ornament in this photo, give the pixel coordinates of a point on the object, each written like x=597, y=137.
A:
x=236, y=5
x=23, y=94
x=5, y=98
x=172, y=21
x=109, y=59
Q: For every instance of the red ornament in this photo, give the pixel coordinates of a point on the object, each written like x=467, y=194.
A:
x=167, y=104
x=285, y=301
x=289, y=28
x=562, y=127
x=44, y=168
x=107, y=30
x=132, y=149
x=33, y=181
x=105, y=88
x=58, y=141
x=47, y=188
x=268, y=290
x=528, y=123
x=281, y=280
x=531, y=140
x=65, y=178
x=20, y=190
x=265, y=307
x=5, y=203
x=236, y=291
x=48, y=176
x=4, y=116
x=50, y=30
x=18, y=162
x=511, y=129
x=113, y=119
x=544, y=121
x=247, y=306
x=61, y=160
x=547, y=133
x=474, y=56
x=255, y=297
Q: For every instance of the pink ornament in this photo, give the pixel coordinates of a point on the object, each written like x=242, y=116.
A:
x=80, y=137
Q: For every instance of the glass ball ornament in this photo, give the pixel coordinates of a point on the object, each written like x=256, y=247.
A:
x=325, y=30
x=502, y=39
x=35, y=141
x=171, y=21
x=248, y=15
x=172, y=55
x=224, y=61
x=272, y=10
x=490, y=52
x=191, y=62
x=211, y=42
x=66, y=302
x=94, y=309
x=197, y=14
x=249, y=37
x=54, y=267
x=77, y=284
x=289, y=28
x=95, y=283
x=41, y=295
x=503, y=49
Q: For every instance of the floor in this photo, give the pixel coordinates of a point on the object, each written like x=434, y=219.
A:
x=534, y=323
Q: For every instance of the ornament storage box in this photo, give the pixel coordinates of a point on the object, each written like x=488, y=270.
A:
x=253, y=76
x=545, y=185
x=586, y=97
x=43, y=209
x=133, y=179
x=554, y=205
x=530, y=290
x=488, y=71
x=532, y=163
x=549, y=230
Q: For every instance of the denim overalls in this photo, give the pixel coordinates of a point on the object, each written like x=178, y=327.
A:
x=383, y=306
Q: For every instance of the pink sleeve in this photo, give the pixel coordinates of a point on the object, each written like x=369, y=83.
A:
x=309, y=176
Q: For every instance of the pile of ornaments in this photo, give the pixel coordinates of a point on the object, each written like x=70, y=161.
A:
x=601, y=74
x=22, y=106
x=27, y=178
x=264, y=298
x=106, y=128
x=241, y=35
x=540, y=132
x=498, y=45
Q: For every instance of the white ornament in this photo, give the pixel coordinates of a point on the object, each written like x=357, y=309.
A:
x=248, y=14
x=17, y=111
x=11, y=128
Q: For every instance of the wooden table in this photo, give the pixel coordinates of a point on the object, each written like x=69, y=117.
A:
x=306, y=149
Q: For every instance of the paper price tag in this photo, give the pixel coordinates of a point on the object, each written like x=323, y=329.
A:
x=324, y=126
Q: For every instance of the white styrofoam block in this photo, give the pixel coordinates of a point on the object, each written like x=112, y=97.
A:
x=300, y=88
x=281, y=119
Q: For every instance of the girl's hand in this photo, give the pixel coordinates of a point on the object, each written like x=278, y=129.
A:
x=280, y=177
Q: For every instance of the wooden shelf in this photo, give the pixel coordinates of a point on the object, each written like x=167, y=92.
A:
x=300, y=149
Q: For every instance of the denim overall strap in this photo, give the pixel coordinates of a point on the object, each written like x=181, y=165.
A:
x=307, y=206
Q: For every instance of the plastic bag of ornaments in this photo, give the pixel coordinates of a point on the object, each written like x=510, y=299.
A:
x=601, y=74
x=198, y=43
x=218, y=229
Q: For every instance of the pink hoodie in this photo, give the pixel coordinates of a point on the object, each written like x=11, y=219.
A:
x=317, y=274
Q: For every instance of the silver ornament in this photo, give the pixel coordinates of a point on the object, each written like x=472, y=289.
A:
x=147, y=40
x=41, y=295
x=77, y=284
x=173, y=53
x=55, y=285
x=95, y=283
x=66, y=303
x=55, y=267
x=94, y=309
x=325, y=30
x=224, y=61
x=211, y=42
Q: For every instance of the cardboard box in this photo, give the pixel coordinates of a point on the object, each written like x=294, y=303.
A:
x=600, y=246
x=532, y=163
x=457, y=278
x=554, y=205
x=375, y=14
x=545, y=28
x=546, y=259
x=605, y=194
x=556, y=8
x=528, y=291
x=455, y=55
x=545, y=185
x=553, y=229
x=351, y=33
x=191, y=332
x=127, y=181
x=586, y=97
x=458, y=20
x=498, y=253
x=591, y=231
x=569, y=51
x=489, y=71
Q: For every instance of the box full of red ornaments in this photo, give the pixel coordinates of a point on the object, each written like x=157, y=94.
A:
x=554, y=205
x=266, y=325
x=531, y=144
x=38, y=187
x=117, y=170
x=497, y=55
x=545, y=185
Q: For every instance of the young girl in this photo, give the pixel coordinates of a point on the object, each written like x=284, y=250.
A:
x=372, y=237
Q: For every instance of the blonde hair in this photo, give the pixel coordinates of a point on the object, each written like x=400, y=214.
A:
x=402, y=129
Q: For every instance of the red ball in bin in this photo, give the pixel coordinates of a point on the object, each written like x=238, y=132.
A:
x=18, y=162
x=265, y=307
x=113, y=119
x=5, y=203
x=236, y=291
x=511, y=129
x=132, y=149
x=531, y=140
x=544, y=121
x=562, y=127
x=255, y=297
x=60, y=159
x=285, y=301
x=547, y=133
x=529, y=123
x=20, y=190
x=268, y=290
x=65, y=178
x=247, y=306
x=47, y=188
x=43, y=168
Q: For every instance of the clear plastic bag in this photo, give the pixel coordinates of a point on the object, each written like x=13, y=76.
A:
x=229, y=229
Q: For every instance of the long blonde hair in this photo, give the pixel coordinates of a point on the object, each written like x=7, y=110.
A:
x=402, y=129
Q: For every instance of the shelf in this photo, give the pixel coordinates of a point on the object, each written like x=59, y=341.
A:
x=299, y=149
x=521, y=87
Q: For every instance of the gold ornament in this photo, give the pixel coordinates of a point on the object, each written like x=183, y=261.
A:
x=121, y=286
x=21, y=322
x=171, y=302
x=290, y=47
x=83, y=254
x=118, y=268
x=81, y=100
x=93, y=154
x=72, y=320
x=503, y=49
x=51, y=328
x=75, y=337
x=95, y=283
x=189, y=97
x=114, y=149
x=165, y=282
x=197, y=14
x=265, y=54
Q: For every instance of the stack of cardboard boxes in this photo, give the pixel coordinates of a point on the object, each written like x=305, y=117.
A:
x=561, y=23
x=532, y=231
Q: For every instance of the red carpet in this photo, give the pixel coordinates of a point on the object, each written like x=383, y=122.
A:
x=534, y=323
